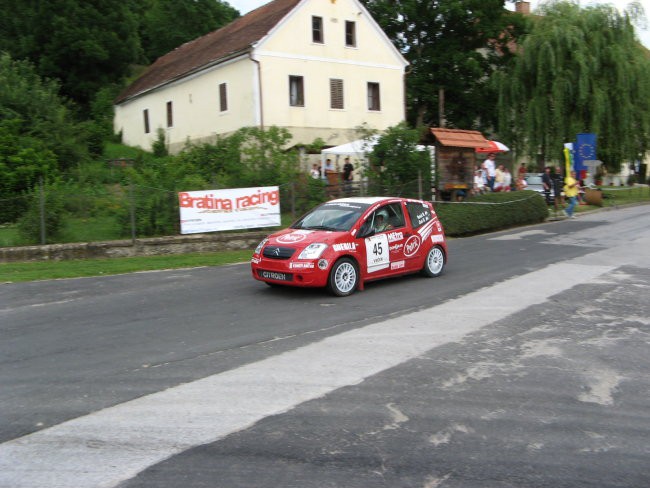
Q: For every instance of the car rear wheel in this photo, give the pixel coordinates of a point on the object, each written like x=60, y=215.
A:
x=344, y=277
x=434, y=263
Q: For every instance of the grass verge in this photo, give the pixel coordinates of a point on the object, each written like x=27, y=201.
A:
x=48, y=270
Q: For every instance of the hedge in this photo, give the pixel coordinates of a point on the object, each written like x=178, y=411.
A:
x=490, y=212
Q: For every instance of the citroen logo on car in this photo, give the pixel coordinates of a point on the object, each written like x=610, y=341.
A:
x=276, y=251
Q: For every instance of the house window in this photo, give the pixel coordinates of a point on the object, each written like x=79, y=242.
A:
x=317, y=29
x=145, y=114
x=170, y=115
x=350, y=33
x=296, y=91
x=336, y=93
x=373, y=96
x=223, y=97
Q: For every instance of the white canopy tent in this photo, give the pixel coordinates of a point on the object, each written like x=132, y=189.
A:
x=357, y=150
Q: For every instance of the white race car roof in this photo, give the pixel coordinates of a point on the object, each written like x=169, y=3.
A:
x=365, y=200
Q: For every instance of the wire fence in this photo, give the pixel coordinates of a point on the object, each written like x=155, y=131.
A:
x=129, y=211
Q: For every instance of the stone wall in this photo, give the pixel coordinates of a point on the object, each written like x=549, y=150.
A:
x=154, y=246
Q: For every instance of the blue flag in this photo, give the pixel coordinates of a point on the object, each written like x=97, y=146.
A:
x=584, y=150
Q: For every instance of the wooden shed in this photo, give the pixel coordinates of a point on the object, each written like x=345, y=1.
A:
x=456, y=158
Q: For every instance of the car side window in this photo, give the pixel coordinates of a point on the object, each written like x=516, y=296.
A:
x=395, y=215
x=386, y=218
x=419, y=214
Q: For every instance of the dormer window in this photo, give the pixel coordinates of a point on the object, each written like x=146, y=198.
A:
x=350, y=33
x=317, y=34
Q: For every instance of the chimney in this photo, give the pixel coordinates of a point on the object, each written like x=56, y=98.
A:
x=522, y=8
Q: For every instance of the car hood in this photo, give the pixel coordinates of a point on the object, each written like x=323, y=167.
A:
x=300, y=238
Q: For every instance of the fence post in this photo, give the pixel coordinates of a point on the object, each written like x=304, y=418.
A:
x=132, y=211
x=419, y=184
x=41, y=207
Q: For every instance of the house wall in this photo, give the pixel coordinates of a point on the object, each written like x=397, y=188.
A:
x=196, y=107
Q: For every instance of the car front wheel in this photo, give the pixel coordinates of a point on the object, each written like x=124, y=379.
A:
x=344, y=277
x=434, y=263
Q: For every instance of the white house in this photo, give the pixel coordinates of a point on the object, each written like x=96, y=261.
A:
x=319, y=68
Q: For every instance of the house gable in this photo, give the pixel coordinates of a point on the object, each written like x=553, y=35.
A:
x=292, y=35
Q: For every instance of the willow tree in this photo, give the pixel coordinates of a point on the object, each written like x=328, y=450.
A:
x=578, y=70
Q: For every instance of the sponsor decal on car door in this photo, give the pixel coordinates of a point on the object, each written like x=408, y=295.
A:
x=377, y=253
x=385, y=251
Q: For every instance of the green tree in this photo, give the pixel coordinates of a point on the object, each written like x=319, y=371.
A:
x=397, y=167
x=85, y=45
x=166, y=24
x=579, y=70
x=451, y=47
x=45, y=116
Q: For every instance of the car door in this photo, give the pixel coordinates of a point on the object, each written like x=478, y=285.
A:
x=417, y=240
x=384, y=249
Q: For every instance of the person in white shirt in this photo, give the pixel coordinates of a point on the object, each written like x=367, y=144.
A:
x=489, y=167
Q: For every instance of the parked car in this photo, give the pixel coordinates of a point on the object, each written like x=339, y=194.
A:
x=534, y=182
x=344, y=243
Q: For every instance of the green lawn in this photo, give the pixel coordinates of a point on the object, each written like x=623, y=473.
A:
x=47, y=270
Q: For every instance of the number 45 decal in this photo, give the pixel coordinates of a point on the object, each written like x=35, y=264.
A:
x=377, y=253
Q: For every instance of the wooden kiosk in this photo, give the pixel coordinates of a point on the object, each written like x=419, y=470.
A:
x=455, y=160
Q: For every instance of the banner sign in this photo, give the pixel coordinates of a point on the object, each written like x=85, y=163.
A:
x=237, y=208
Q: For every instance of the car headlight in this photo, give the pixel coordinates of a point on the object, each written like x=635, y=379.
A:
x=259, y=247
x=313, y=251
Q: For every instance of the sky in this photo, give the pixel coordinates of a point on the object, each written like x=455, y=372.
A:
x=245, y=6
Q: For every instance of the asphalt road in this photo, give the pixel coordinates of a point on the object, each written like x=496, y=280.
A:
x=525, y=365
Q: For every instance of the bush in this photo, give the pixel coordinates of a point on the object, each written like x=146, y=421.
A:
x=491, y=212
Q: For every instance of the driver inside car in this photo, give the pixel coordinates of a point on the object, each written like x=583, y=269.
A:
x=381, y=221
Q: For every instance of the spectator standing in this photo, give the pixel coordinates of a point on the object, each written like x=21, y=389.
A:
x=348, y=168
x=489, y=168
x=329, y=169
x=571, y=190
x=521, y=172
x=315, y=171
x=558, y=180
x=547, y=184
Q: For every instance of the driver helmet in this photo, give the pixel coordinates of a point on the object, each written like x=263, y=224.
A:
x=383, y=214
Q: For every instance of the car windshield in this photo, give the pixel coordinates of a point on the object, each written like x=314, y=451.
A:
x=334, y=216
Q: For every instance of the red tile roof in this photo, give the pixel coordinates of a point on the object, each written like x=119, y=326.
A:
x=460, y=138
x=236, y=37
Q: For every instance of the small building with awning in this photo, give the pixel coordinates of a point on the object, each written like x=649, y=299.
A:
x=455, y=159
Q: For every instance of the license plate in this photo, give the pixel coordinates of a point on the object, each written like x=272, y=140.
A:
x=275, y=275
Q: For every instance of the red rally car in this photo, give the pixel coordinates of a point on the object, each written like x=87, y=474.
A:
x=344, y=243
